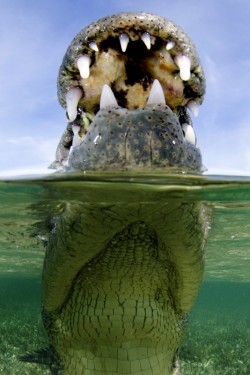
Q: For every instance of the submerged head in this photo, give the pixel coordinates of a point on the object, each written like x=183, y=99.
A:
x=127, y=82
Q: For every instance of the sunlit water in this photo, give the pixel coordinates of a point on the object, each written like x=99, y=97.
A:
x=218, y=341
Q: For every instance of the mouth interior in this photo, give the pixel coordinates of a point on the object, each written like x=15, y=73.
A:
x=136, y=70
x=129, y=63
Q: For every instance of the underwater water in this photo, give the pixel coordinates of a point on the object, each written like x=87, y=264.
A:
x=218, y=338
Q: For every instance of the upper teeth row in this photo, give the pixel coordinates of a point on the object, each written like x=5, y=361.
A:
x=124, y=40
x=182, y=61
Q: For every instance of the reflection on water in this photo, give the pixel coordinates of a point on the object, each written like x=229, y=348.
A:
x=218, y=341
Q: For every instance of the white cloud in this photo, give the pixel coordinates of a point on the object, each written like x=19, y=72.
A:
x=27, y=151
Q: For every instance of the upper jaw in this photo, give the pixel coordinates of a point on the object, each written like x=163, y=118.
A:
x=128, y=51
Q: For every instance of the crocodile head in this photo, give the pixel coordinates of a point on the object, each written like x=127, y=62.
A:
x=126, y=82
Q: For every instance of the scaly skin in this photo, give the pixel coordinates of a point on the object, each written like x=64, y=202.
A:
x=120, y=278
x=118, y=282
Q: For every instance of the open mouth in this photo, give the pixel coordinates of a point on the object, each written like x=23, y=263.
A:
x=130, y=60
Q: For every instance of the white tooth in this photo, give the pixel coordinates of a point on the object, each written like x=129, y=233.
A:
x=124, y=39
x=156, y=95
x=76, y=139
x=145, y=37
x=107, y=97
x=93, y=46
x=184, y=64
x=83, y=63
x=189, y=133
x=170, y=45
x=193, y=106
x=72, y=99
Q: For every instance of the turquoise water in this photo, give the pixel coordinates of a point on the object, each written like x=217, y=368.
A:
x=218, y=340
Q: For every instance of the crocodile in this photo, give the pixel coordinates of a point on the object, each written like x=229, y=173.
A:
x=119, y=278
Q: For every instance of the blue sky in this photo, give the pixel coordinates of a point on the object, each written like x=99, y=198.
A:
x=34, y=36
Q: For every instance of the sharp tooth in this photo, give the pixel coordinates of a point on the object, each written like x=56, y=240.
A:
x=184, y=64
x=156, y=95
x=107, y=97
x=189, y=134
x=94, y=46
x=72, y=99
x=193, y=106
x=124, y=39
x=83, y=63
x=76, y=139
x=145, y=37
x=170, y=45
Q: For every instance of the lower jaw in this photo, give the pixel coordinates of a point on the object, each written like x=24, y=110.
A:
x=139, y=140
